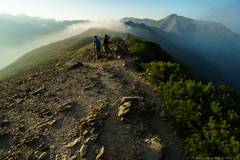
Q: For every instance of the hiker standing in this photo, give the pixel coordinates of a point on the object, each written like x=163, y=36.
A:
x=105, y=44
x=97, y=45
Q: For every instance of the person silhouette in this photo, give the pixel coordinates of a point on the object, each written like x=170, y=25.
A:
x=97, y=45
x=106, y=43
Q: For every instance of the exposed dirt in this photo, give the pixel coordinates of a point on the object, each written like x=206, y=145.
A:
x=71, y=107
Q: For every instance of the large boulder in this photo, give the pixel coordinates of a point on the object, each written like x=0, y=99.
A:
x=152, y=148
x=133, y=106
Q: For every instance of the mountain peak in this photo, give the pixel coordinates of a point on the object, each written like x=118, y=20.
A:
x=172, y=15
x=138, y=20
x=177, y=24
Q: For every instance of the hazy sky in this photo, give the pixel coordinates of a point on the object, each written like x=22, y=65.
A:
x=225, y=11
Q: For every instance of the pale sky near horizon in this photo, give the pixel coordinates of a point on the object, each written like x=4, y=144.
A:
x=225, y=11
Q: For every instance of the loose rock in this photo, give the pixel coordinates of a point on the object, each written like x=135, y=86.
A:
x=124, y=109
x=83, y=150
x=44, y=156
x=101, y=152
x=153, y=149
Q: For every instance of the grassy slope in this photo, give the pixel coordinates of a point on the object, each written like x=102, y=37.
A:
x=46, y=53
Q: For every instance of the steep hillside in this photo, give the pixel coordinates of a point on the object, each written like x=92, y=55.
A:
x=43, y=54
x=75, y=107
x=211, y=40
x=50, y=51
x=201, y=67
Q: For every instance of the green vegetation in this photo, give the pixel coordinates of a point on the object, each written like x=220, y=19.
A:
x=64, y=48
x=207, y=116
x=45, y=54
x=147, y=51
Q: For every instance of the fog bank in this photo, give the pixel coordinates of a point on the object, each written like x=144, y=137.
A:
x=9, y=54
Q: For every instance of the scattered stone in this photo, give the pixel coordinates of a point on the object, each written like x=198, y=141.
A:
x=52, y=123
x=41, y=126
x=163, y=114
x=101, y=152
x=73, y=158
x=85, y=132
x=45, y=112
x=94, y=137
x=39, y=91
x=83, y=150
x=73, y=144
x=153, y=149
x=87, y=88
x=129, y=126
x=124, y=109
x=19, y=101
x=87, y=140
x=44, y=156
x=127, y=99
x=65, y=107
x=134, y=107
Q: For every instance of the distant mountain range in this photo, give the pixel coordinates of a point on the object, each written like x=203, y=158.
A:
x=20, y=34
x=15, y=30
x=212, y=40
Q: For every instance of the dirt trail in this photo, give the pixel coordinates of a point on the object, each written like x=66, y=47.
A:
x=72, y=111
x=123, y=81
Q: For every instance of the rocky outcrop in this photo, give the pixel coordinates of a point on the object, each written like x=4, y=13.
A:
x=134, y=107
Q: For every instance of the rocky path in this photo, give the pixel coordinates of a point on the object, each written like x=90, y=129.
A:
x=89, y=110
x=127, y=133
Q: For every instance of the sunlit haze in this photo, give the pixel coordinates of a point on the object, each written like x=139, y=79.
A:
x=105, y=13
x=225, y=11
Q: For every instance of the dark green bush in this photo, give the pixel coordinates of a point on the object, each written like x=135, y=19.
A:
x=208, y=117
x=158, y=72
x=147, y=51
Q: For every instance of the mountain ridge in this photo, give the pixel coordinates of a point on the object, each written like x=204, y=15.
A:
x=196, y=63
x=212, y=40
x=66, y=108
x=137, y=20
x=139, y=30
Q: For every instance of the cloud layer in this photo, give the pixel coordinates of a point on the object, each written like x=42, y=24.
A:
x=10, y=54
